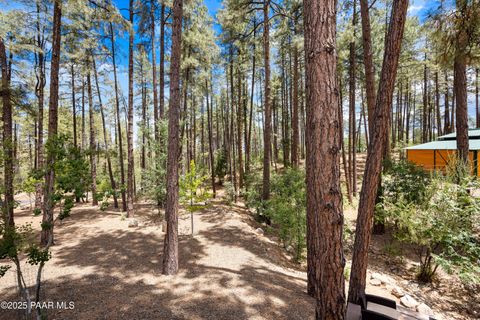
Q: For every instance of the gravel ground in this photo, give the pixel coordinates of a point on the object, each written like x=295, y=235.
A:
x=111, y=271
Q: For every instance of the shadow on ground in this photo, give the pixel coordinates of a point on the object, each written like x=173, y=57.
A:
x=116, y=274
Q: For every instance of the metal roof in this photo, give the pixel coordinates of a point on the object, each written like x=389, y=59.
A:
x=445, y=145
x=472, y=133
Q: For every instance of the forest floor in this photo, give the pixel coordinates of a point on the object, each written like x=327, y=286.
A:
x=228, y=270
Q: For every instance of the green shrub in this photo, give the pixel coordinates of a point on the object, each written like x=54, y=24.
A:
x=253, y=195
x=221, y=164
x=405, y=179
x=72, y=171
x=229, y=192
x=67, y=208
x=287, y=209
x=154, y=178
x=440, y=219
x=35, y=255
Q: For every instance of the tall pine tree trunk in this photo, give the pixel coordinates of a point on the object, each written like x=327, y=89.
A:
x=239, y=131
x=460, y=88
x=268, y=117
x=162, y=61
x=84, y=136
x=39, y=92
x=446, y=122
x=368, y=62
x=351, y=100
x=477, y=101
x=93, y=144
x=130, y=160
x=425, y=103
x=74, y=110
x=295, y=133
x=324, y=197
x=48, y=204
x=106, y=139
x=170, y=249
x=154, y=70
x=119, y=123
x=248, y=143
x=8, y=204
x=375, y=155
x=210, y=139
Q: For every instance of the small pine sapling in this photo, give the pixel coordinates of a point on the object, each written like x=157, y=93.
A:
x=193, y=197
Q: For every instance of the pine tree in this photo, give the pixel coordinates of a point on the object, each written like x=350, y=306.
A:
x=170, y=248
x=48, y=202
x=376, y=149
x=324, y=197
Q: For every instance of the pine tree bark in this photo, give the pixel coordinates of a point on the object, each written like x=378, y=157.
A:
x=425, y=103
x=477, y=101
x=74, y=109
x=84, y=136
x=210, y=139
x=130, y=160
x=375, y=155
x=460, y=87
x=8, y=157
x=162, y=61
x=351, y=101
x=170, y=249
x=295, y=133
x=323, y=135
x=39, y=92
x=106, y=139
x=248, y=142
x=119, y=123
x=93, y=144
x=344, y=157
x=48, y=203
x=368, y=62
x=268, y=117
x=154, y=70
x=239, y=131
x=437, y=106
x=143, y=152
x=446, y=122
x=233, y=167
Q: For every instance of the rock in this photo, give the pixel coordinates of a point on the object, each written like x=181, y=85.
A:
x=397, y=292
x=133, y=223
x=424, y=309
x=383, y=278
x=375, y=282
x=408, y=301
x=290, y=249
x=259, y=231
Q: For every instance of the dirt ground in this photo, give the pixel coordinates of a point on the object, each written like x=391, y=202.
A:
x=111, y=271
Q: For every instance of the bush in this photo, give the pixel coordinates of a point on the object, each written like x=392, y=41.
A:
x=229, y=192
x=439, y=217
x=221, y=164
x=287, y=209
x=72, y=171
x=154, y=178
x=405, y=179
x=67, y=208
x=253, y=196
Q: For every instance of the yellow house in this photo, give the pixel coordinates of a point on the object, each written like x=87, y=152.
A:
x=436, y=154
